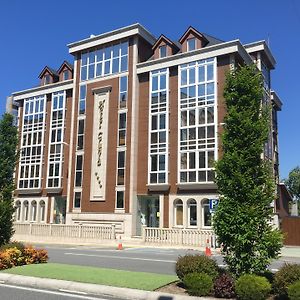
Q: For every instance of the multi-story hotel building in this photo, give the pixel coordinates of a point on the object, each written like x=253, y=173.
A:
x=129, y=134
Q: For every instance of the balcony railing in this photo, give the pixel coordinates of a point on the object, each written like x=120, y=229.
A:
x=179, y=236
x=82, y=232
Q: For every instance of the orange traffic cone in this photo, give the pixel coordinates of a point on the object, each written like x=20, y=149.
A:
x=120, y=246
x=207, y=248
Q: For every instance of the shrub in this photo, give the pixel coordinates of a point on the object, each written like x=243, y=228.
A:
x=35, y=256
x=11, y=257
x=224, y=286
x=198, y=284
x=20, y=246
x=196, y=264
x=252, y=287
x=268, y=275
x=294, y=291
x=287, y=275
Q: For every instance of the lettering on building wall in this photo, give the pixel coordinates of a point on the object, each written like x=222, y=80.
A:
x=100, y=136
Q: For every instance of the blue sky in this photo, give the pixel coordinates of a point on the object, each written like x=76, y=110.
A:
x=35, y=33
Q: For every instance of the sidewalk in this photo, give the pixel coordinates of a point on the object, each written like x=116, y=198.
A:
x=290, y=251
x=93, y=289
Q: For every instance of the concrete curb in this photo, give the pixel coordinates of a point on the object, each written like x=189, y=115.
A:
x=95, y=289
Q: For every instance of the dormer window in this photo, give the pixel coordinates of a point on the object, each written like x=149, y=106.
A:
x=47, y=79
x=65, y=75
x=191, y=44
x=162, y=51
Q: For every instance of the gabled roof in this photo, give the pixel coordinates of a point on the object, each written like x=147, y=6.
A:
x=212, y=40
x=194, y=32
x=166, y=40
x=67, y=64
x=50, y=70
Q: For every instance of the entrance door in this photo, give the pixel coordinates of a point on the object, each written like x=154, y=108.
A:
x=148, y=212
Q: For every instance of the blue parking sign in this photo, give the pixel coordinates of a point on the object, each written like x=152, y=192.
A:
x=213, y=203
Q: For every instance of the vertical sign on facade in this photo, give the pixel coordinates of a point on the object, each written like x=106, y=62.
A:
x=99, y=148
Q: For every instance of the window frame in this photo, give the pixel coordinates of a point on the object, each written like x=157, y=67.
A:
x=115, y=52
x=203, y=205
x=32, y=143
x=176, y=204
x=158, y=109
x=74, y=199
x=189, y=205
x=119, y=190
x=188, y=44
x=56, y=126
x=197, y=102
x=79, y=170
x=161, y=53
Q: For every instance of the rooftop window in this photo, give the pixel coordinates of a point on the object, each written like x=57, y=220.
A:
x=191, y=44
x=162, y=51
x=65, y=75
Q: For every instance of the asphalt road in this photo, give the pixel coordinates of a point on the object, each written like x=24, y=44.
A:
x=9, y=292
x=153, y=260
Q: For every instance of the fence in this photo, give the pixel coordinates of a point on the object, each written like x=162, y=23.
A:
x=290, y=227
x=54, y=232
x=178, y=236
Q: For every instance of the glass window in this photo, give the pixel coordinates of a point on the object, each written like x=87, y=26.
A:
x=65, y=75
x=32, y=139
x=178, y=205
x=197, y=125
x=192, y=212
x=42, y=210
x=206, y=213
x=18, y=211
x=26, y=210
x=121, y=168
x=159, y=127
x=78, y=174
x=162, y=51
x=82, y=97
x=191, y=44
x=104, y=61
x=47, y=79
x=33, y=211
x=77, y=199
x=120, y=199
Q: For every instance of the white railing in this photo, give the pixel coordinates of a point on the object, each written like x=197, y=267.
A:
x=178, y=236
x=81, y=231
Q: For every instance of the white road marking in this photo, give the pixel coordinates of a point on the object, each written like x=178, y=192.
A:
x=51, y=292
x=120, y=257
x=72, y=291
x=274, y=270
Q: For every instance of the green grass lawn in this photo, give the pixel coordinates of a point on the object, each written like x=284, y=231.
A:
x=135, y=280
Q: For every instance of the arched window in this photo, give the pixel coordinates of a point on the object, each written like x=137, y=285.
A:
x=206, y=213
x=42, y=210
x=26, y=210
x=192, y=212
x=178, y=212
x=33, y=210
x=18, y=211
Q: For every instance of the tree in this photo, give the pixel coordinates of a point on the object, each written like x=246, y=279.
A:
x=8, y=157
x=293, y=183
x=242, y=221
